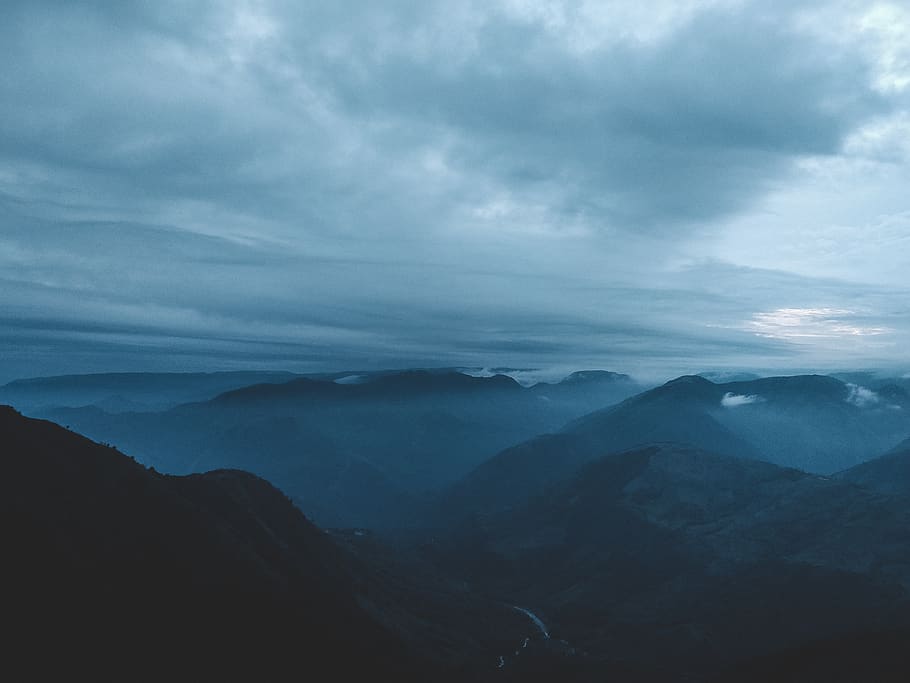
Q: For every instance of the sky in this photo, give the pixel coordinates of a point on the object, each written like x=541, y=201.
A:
x=655, y=188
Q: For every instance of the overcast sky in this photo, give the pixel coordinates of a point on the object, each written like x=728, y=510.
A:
x=653, y=187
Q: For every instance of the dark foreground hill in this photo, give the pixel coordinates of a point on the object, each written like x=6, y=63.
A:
x=880, y=656
x=661, y=563
x=114, y=572
x=668, y=563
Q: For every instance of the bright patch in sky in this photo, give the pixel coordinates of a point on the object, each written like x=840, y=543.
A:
x=888, y=26
x=799, y=324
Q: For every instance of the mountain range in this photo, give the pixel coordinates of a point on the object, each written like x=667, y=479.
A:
x=467, y=529
x=813, y=423
x=113, y=571
x=370, y=453
x=667, y=558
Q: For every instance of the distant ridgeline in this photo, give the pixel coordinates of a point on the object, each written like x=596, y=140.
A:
x=366, y=450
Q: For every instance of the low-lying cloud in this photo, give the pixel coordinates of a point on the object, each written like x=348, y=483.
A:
x=862, y=397
x=731, y=400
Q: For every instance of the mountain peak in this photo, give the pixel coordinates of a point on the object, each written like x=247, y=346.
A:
x=585, y=376
x=694, y=380
x=688, y=387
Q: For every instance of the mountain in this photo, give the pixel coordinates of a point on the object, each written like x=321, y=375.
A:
x=129, y=391
x=815, y=423
x=722, y=376
x=588, y=383
x=812, y=422
x=369, y=452
x=398, y=386
x=647, y=541
x=875, y=380
x=667, y=562
x=122, y=573
x=675, y=412
x=581, y=392
x=818, y=424
x=889, y=473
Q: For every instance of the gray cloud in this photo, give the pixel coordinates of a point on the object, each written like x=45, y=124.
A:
x=643, y=135
x=311, y=115
x=465, y=182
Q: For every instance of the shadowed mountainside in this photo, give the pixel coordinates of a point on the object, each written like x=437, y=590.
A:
x=119, y=392
x=889, y=473
x=667, y=562
x=114, y=572
x=581, y=560
x=813, y=423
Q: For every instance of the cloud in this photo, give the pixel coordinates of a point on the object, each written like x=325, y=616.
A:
x=731, y=400
x=511, y=182
x=885, y=139
x=283, y=110
x=352, y=379
x=797, y=324
x=889, y=23
x=862, y=397
x=686, y=128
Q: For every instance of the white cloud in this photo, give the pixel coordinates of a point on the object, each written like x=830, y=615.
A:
x=587, y=25
x=731, y=400
x=885, y=139
x=351, y=379
x=888, y=26
x=802, y=324
x=862, y=397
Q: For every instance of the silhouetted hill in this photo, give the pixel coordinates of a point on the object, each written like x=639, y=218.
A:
x=421, y=381
x=395, y=386
x=595, y=376
x=721, y=376
x=115, y=572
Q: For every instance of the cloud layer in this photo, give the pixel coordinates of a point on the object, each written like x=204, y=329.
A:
x=311, y=185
